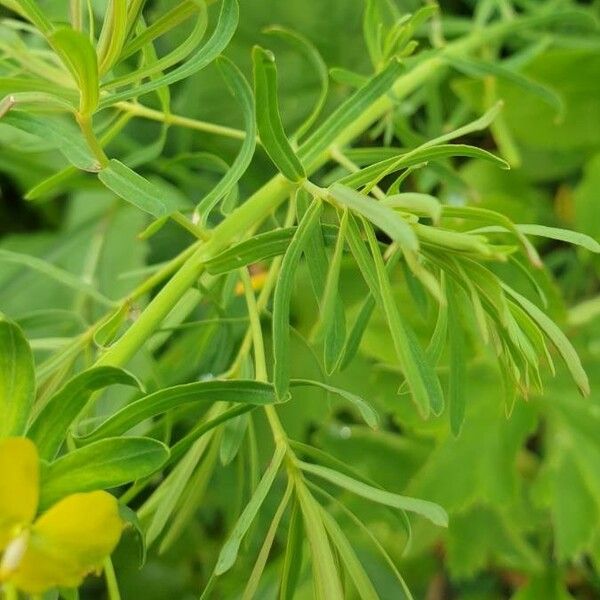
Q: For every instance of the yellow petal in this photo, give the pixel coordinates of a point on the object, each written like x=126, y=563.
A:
x=69, y=541
x=19, y=486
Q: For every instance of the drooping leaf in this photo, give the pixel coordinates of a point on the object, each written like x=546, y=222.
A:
x=435, y=513
x=368, y=413
x=205, y=392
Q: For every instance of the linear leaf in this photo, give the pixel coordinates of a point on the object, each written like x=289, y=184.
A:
x=78, y=55
x=435, y=513
x=416, y=157
x=479, y=68
x=281, y=299
x=557, y=337
x=553, y=233
x=17, y=380
x=420, y=374
x=270, y=128
x=263, y=555
x=105, y=464
x=357, y=573
x=317, y=64
x=226, y=26
x=368, y=413
x=377, y=213
x=60, y=275
x=62, y=134
x=31, y=10
x=230, y=550
x=137, y=190
x=347, y=113
x=113, y=35
x=52, y=423
x=458, y=363
x=204, y=392
x=241, y=91
x=326, y=579
x=292, y=563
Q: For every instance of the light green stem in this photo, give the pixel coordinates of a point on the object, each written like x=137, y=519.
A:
x=112, y=585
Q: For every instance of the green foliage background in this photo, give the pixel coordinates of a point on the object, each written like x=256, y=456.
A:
x=522, y=492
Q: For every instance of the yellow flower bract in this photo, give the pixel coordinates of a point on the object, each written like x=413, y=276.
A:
x=68, y=541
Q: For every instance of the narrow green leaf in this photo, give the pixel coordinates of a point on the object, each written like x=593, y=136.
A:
x=553, y=233
x=241, y=91
x=52, y=423
x=31, y=10
x=259, y=566
x=557, y=337
x=420, y=374
x=259, y=247
x=225, y=28
x=377, y=213
x=17, y=380
x=103, y=465
x=326, y=579
x=368, y=413
x=166, y=22
x=78, y=55
x=113, y=35
x=62, y=134
x=317, y=64
x=230, y=550
x=416, y=157
x=357, y=573
x=332, y=316
x=292, y=563
x=435, y=513
x=457, y=394
x=348, y=112
x=154, y=67
x=281, y=299
x=233, y=436
x=61, y=276
x=137, y=190
x=203, y=392
x=270, y=128
x=479, y=68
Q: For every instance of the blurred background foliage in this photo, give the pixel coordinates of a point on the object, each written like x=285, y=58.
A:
x=523, y=492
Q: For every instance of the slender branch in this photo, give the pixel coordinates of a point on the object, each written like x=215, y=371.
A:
x=138, y=110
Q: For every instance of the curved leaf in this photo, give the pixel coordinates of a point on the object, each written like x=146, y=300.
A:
x=270, y=128
x=103, y=465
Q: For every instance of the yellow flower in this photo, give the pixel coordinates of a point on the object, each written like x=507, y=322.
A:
x=64, y=544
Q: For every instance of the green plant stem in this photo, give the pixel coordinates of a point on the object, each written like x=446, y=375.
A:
x=138, y=110
x=195, y=230
x=85, y=124
x=111, y=580
x=268, y=198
